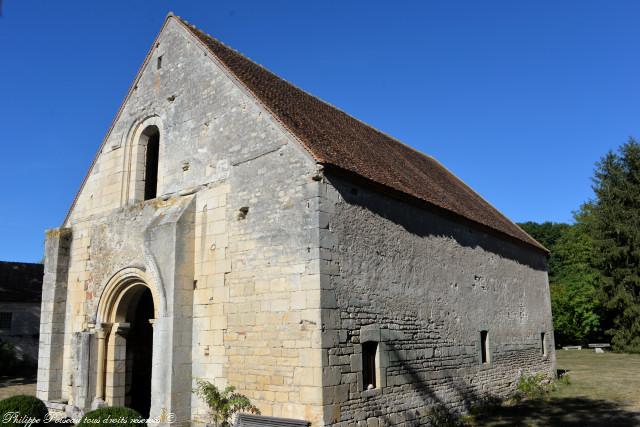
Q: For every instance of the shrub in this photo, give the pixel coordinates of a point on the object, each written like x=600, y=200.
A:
x=564, y=379
x=534, y=386
x=223, y=404
x=22, y=410
x=439, y=416
x=115, y=416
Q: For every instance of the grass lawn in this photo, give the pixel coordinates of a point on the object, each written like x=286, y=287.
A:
x=604, y=390
x=609, y=376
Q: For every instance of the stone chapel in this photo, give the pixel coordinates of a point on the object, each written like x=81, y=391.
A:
x=233, y=227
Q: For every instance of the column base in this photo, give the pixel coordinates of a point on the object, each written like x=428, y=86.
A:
x=98, y=403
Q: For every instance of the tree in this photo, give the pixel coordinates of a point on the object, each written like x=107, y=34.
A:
x=576, y=308
x=223, y=404
x=572, y=280
x=548, y=233
x=614, y=225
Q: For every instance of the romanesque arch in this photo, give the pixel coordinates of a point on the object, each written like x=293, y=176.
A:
x=144, y=134
x=127, y=309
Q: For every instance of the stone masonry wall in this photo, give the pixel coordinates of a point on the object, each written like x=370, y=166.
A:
x=423, y=286
x=25, y=327
x=256, y=317
x=256, y=313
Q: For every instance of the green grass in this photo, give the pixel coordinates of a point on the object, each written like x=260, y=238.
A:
x=610, y=376
x=604, y=390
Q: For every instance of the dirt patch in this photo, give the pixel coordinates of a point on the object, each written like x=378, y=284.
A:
x=15, y=386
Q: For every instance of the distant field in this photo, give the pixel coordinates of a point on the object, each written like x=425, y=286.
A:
x=604, y=391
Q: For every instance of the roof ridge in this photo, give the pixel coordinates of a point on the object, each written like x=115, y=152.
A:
x=335, y=138
x=191, y=27
x=212, y=43
x=194, y=27
x=217, y=40
x=488, y=203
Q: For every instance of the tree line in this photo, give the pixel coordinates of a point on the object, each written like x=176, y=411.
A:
x=594, y=263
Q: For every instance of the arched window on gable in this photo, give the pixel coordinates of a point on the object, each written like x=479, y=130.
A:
x=151, y=158
x=143, y=162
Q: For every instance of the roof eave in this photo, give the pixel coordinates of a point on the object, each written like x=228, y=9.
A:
x=423, y=204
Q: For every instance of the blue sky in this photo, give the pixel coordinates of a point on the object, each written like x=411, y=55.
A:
x=519, y=99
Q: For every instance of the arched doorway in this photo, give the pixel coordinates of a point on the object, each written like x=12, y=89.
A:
x=125, y=343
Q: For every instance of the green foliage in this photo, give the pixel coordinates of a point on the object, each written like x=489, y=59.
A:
x=115, y=416
x=534, y=386
x=439, y=416
x=22, y=411
x=576, y=308
x=594, y=268
x=572, y=278
x=223, y=404
x=547, y=233
x=613, y=220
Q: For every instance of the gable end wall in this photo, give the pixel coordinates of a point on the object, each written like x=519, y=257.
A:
x=254, y=284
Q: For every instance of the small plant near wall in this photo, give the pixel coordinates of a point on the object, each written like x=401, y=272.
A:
x=223, y=404
x=534, y=386
x=439, y=416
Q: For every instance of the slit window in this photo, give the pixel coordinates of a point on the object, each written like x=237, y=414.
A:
x=543, y=344
x=151, y=166
x=369, y=352
x=159, y=62
x=484, y=346
x=5, y=320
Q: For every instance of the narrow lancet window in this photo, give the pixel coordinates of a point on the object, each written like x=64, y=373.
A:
x=151, y=164
x=369, y=351
x=484, y=346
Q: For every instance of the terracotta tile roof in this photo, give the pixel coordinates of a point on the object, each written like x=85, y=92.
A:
x=336, y=139
x=20, y=282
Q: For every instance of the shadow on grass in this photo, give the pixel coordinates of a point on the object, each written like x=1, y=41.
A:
x=568, y=411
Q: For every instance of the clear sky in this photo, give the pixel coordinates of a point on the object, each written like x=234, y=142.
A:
x=518, y=98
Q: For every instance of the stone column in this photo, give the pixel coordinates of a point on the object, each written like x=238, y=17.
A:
x=115, y=369
x=52, y=316
x=81, y=343
x=102, y=335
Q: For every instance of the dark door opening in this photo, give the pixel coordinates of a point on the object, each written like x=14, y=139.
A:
x=139, y=353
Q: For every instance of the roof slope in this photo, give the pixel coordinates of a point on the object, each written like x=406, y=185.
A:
x=335, y=138
x=20, y=282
